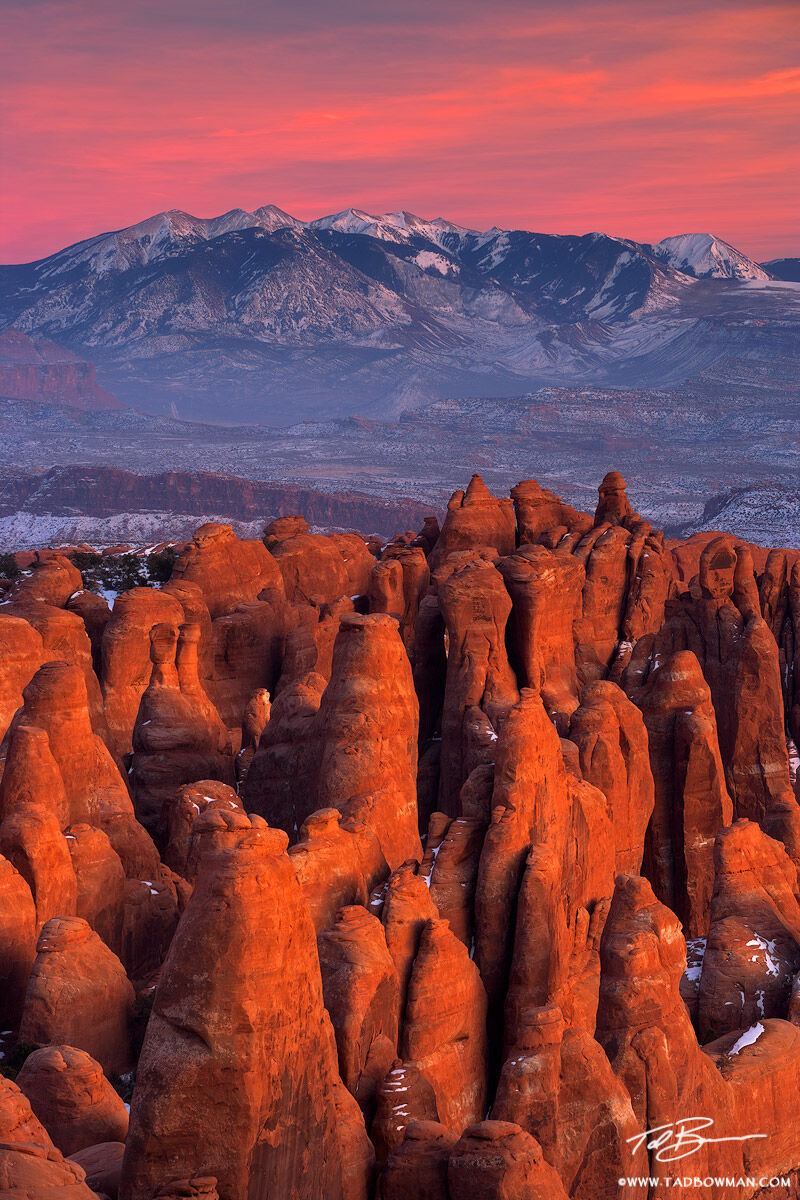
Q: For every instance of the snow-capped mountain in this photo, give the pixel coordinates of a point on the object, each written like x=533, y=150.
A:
x=707, y=257
x=260, y=315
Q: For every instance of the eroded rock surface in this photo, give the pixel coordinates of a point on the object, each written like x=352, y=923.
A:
x=362, y=870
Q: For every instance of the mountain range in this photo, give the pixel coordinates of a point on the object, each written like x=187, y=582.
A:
x=259, y=316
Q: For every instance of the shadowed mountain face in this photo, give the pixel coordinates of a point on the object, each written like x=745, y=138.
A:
x=257, y=316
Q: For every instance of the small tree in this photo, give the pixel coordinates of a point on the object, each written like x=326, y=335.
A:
x=8, y=567
x=160, y=564
x=86, y=560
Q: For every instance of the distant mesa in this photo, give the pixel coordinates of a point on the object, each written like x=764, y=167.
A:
x=89, y=502
x=41, y=370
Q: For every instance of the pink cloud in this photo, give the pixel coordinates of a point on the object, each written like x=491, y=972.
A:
x=604, y=116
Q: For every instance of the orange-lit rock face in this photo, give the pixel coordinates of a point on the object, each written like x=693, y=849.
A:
x=753, y=949
x=227, y=569
x=18, y=924
x=481, y=687
x=21, y=654
x=56, y=701
x=52, y=582
x=79, y=995
x=430, y=822
x=444, y=1031
x=30, y=1165
x=546, y=592
x=178, y=731
x=368, y=721
x=126, y=657
x=691, y=798
x=72, y=1098
x=475, y=520
x=612, y=743
x=613, y=505
x=242, y=975
x=497, y=1158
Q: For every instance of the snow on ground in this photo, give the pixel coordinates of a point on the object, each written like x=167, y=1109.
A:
x=749, y=1036
x=706, y=256
x=23, y=530
x=695, y=953
x=766, y=948
x=434, y=262
x=794, y=760
x=768, y=515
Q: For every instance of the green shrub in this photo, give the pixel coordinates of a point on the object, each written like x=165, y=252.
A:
x=8, y=567
x=85, y=560
x=160, y=564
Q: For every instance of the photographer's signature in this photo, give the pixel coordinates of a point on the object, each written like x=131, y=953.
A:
x=682, y=1138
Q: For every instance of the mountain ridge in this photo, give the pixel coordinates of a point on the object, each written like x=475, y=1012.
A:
x=260, y=316
x=271, y=217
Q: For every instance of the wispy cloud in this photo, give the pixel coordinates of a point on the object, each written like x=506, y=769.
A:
x=594, y=115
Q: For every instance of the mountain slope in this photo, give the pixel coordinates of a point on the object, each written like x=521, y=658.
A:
x=258, y=316
x=707, y=257
x=784, y=268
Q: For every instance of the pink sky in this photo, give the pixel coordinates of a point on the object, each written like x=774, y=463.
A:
x=639, y=119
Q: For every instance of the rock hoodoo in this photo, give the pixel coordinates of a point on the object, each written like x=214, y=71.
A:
x=442, y=867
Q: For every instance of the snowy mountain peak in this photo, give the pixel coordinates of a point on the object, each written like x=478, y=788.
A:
x=708, y=257
x=270, y=218
x=388, y=227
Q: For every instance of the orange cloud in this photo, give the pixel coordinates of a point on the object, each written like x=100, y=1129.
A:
x=604, y=116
